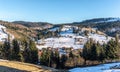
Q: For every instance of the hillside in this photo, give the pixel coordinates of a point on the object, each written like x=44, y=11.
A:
x=3, y=34
x=110, y=26
x=19, y=31
x=70, y=36
x=13, y=66
x=64, y=40
x=35, y=25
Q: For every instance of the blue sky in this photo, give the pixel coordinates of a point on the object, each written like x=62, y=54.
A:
x=58, y=11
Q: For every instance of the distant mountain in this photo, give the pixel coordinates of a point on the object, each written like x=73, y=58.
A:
x=98, y=20
x=110, y=26
x=35, y=25
x=22, y=29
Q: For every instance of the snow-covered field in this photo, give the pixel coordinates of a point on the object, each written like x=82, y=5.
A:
x=98, y=68
x=69, y=39
x=100, y=38
x=3, y=35
x=61, y=42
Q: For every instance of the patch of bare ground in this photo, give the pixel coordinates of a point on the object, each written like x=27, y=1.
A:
x=13, y=66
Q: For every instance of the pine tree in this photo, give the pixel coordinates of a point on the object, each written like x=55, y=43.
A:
x=111, y=50
x=16, y=54
x=71, y=54
x=117, y=39
x=26, y=52
x=43, y=58
x=57, y=59
x=6, y=50
x=63, y=59
x=102, y=54
x=33, y=52
x=49, y=57
x=86, y=51
x=1, y=51
x=117, y=45
x=93, y=54
x=92, y=50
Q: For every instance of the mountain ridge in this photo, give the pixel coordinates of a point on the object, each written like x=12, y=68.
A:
x=109, y=25
x=40, y=25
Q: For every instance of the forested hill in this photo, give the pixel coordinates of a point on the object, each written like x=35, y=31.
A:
x=98, y=20
x=34, y=25
x=19, y=31
x=22, y=29
x=110, y=26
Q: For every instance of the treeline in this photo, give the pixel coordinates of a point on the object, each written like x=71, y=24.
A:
x=95, y=52
x=106, y=27
x=24, y=51
x=46, y=33
x=92, y=53
x=53, y=58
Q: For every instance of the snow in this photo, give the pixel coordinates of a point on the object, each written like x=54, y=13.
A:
x=95, y=28
x=4, y=34
x=67, y=32
x=100, y=38
x=69, y=39
x=114, y=29
x=112, y=70
x=40, y=47
x=54, y=29
x=66, y=28
x=98, y=68
x=61, y=42
x=113, y=19
x=109, y=20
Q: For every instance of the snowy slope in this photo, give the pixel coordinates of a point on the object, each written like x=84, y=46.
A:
x=61, y=42
x=54, y=29
x=4, y=34
x=100, y=38
x=69, y=39
x=100, y=20
x=98, y=68
x=71, y=42
x=109, y=20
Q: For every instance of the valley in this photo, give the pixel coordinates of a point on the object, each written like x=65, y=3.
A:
x=62, y=46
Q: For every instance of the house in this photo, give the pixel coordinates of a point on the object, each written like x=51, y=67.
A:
x=79, y=40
